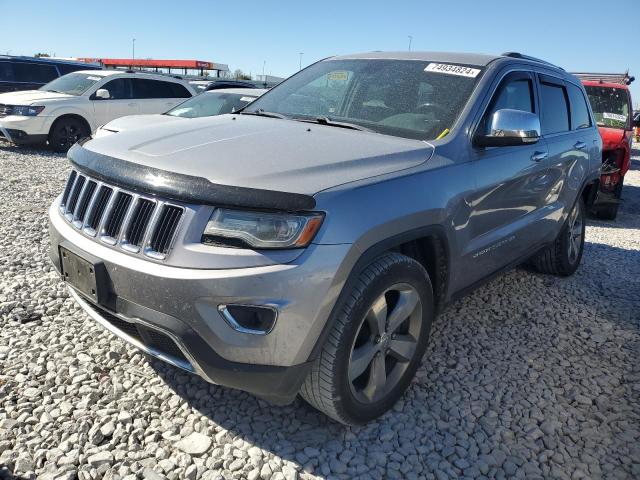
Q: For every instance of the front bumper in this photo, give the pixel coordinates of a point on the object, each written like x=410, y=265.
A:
x=25, y=130
x=182, y=304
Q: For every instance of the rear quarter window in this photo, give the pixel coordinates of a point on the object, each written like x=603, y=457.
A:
x=579, y=111
x=555, y=108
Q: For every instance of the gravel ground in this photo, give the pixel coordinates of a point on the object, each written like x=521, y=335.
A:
x=530, y=376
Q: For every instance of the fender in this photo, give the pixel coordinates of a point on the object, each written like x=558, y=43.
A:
x=367, y=257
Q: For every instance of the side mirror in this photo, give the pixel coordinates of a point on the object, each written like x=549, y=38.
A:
x=103, y=94
x=509, y=127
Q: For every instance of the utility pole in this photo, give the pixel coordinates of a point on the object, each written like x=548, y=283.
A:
x=301, y=53
x=133, y=49
x=410, y=40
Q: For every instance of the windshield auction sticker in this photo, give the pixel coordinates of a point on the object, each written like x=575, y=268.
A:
x=458, y=70
x=614, y=116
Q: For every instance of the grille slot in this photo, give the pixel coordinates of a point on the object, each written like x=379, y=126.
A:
x=117, y=215
x=100, y=204
x=83, y=203
x=166, y=227
x=67, y=188
x=75, y=193
x=139, y=222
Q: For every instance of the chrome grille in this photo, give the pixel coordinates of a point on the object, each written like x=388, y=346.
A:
x=120, y=218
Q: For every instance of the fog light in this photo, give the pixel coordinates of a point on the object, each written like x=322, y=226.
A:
x=252, y=319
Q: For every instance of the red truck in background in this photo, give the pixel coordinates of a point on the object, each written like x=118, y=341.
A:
x=611, y=104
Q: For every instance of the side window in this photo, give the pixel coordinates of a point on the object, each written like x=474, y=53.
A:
x=34, y=72
x=579, y=110
x=178, y=91
x=6, y=72
x=119, y=89
x=68, y=68
x=515, y=94
x=146, y=88
x=555, y=109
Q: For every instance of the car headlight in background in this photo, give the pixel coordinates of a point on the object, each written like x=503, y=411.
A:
x=26, y=110
x=256, y=229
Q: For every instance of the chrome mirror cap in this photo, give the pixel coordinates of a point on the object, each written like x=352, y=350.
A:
x=509, y=127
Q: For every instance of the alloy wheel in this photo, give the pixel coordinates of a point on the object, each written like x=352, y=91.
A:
x=385, y=343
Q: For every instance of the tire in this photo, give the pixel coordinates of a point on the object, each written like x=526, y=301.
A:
x=563, y=256
x=65, y=132
x=392, y=294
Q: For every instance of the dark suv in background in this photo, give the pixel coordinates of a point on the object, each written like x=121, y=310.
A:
x=30, y=73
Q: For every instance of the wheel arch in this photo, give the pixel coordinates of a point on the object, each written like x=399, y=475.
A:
x=429, y=245
x=70, y=115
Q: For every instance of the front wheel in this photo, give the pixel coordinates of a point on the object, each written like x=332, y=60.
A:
x=563, y=256
x=65, y=132
x=376, y=344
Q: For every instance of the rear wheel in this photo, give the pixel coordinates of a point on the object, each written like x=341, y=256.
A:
x=65, y=132
x=376, y=344
x=563, y=256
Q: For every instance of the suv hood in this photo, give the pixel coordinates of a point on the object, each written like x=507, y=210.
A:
x=28, y=97
x=137, y=121
x=264, y=153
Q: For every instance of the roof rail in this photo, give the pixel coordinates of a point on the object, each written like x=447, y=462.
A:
x=530, y=58
x=621, y=78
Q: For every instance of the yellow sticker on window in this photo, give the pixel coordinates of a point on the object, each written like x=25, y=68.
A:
x=339, y=76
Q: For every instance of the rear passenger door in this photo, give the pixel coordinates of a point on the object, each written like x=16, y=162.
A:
x=569, y=133
x=157, y=96
x=505, y=208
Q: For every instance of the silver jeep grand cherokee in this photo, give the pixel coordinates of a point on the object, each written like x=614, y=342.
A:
x=304, y=244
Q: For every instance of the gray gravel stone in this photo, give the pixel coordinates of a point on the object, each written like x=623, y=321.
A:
x=529, y=376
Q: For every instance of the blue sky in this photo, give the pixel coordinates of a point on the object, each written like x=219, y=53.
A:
x=575, y=34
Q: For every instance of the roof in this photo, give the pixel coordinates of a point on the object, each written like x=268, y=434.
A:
x=249, y=92
x=594, y=83
x=134, y=73
x=47, y=60
x=449, y=57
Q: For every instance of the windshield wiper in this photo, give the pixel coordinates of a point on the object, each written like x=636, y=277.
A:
x=333, y=123
x=263, y=113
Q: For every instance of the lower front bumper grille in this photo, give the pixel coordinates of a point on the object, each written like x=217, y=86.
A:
x=149, y=339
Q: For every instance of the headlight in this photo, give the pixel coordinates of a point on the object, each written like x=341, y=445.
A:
x=26, y=110
x=254, y=229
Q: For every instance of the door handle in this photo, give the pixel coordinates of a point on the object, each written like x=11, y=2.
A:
x=580, y=145
x=539, y=156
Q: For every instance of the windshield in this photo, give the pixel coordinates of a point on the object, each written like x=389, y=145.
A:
x=208, y=104
x=405, y=98
x=610, y=106
x=72, y=83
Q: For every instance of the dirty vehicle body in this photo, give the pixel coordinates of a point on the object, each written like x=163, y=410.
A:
x=610, y=100
x=305, y=244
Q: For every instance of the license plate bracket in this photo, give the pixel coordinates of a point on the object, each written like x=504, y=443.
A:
x=82, y=274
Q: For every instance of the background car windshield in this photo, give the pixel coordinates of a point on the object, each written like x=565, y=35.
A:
x=610, y=106
x=393, y=97
x=209, y=104
x=72, y=83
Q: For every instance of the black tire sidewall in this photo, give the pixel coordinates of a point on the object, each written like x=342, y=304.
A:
x=409, y=272
x=54, y=137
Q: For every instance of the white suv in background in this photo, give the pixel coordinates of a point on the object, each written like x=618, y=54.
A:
x=74, y=105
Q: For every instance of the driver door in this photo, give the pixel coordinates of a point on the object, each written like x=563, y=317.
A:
x=119, y=103
x=506, y=207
